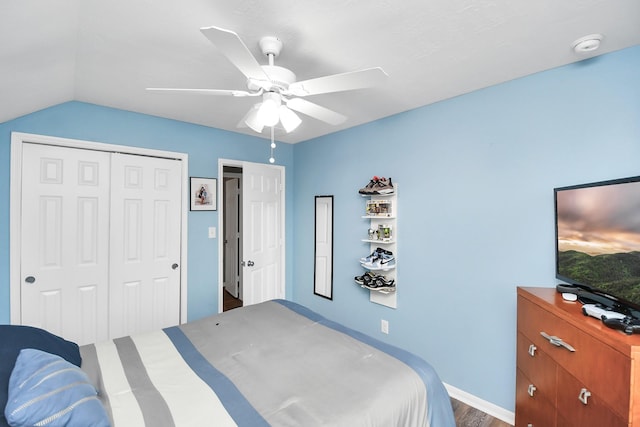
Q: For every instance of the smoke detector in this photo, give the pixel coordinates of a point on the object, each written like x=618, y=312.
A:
x=587, y=44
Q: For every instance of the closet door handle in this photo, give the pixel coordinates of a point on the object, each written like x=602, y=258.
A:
x=30, y=279
x=174, y=266
x=532, y=350
x=531, y=390
x=251, y=263
x=557, y=341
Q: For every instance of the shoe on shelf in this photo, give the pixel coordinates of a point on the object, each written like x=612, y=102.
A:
x=383, y=186
x=368, y=189
x=380, y=283
x=365, y=279
x=377, y=253
x=385, y=261
x=369, y=258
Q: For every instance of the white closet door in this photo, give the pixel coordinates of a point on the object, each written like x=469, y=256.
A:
x=145, y=244
x=64, y=241
x=262, y=211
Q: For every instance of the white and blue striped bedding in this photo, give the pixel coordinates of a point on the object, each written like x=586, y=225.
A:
x=275, y=363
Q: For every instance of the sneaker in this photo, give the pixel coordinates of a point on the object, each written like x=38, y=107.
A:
x=383, y=186
x=378, y=253
x=365, y=279
x=368, y=189
x=385, y=261
x=381, y=284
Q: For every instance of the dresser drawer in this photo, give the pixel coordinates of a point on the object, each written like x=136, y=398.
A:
x=605, y=370
x=534, y=410
x=540, y=369
x=572, y=412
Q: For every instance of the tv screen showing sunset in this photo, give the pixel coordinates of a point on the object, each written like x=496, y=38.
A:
x=598, y=232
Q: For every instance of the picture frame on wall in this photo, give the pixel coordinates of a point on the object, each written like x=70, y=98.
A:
x=204, y=195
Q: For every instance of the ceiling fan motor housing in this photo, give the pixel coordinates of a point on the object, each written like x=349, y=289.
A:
x=280, y=77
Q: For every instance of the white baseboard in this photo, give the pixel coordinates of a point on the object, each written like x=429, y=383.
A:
x=482, y=405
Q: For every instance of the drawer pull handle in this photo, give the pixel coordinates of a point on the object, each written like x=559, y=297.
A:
x=531, y=389
x=557, y=341
x=584, y=395
x=532, y=350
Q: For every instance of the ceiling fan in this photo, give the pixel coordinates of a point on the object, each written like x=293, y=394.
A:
x=281, y=94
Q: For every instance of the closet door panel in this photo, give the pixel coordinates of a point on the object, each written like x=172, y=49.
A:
x=145, y=244
x=64, y=241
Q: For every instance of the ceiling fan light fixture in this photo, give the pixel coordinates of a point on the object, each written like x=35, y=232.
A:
x=269, y=113
x=252, y=120
x=290, y=120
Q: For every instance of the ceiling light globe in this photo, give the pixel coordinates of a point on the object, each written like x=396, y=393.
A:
x=269, y=113
x=251, y=119
x=288, y=118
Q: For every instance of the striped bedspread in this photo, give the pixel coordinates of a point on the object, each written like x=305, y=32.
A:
x=275, y=363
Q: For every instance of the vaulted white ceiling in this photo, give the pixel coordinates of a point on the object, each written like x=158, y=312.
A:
x=107, y=52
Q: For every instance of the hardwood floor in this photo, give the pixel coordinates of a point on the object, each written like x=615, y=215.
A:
x=229, y=302
x=466, y=416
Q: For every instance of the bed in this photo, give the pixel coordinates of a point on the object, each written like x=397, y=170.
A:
x=275, y=363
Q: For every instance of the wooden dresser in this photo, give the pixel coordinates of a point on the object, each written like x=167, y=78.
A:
x=581, y=374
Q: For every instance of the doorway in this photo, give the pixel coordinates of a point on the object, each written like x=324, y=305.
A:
x=251, y=222
x=232, y=235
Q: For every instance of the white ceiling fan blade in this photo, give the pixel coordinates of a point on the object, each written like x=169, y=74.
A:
x=220, y=92
x=339, y=82
x=230, y=44
x=316, y=111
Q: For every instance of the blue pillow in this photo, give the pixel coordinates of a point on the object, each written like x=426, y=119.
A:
x=14, y=338
x=46, y=390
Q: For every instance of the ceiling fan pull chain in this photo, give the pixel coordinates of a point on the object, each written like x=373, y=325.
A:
x=273, y=145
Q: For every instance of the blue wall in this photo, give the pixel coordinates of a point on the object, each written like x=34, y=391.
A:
x=476, y=175
x=203, y=145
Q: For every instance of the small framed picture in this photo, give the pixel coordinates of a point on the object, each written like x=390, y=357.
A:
x=203, y=194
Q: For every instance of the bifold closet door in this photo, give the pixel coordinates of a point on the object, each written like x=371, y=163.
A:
x=145, y=244
x=64, y=241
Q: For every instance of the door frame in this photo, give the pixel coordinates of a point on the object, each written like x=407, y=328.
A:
x=240, y=163
x=15, y=218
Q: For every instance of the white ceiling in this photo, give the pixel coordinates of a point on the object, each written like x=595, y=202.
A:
x=107, y=52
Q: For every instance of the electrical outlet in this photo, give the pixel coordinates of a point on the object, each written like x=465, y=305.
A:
x=384, y=326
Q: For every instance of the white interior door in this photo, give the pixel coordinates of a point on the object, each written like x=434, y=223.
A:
x=263, y=233
x=64, y=260
x=145, y=244
x=231, y=236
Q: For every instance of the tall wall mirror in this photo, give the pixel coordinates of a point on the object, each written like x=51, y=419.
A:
x=323, y=253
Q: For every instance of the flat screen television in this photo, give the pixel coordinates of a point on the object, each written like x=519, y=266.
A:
x=598, y=239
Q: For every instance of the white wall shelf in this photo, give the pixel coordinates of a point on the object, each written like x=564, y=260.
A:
x=385, y=222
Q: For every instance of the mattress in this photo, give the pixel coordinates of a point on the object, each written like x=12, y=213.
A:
x=275, y=363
